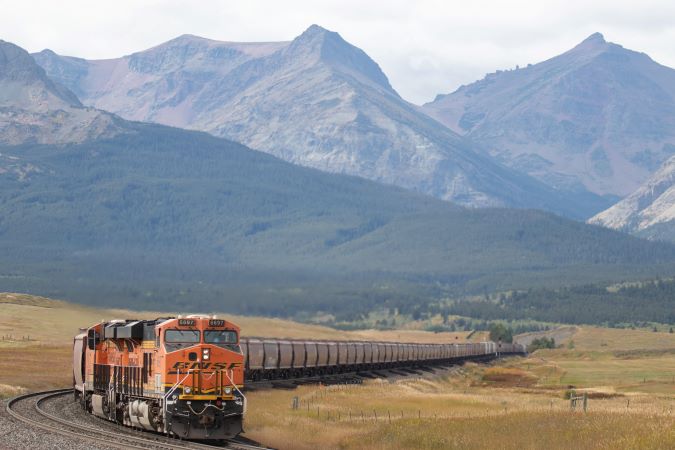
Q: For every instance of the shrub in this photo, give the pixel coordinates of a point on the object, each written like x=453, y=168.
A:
x=542, y=342
x=500, y=332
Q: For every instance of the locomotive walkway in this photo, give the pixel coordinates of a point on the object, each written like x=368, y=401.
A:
x=31, y=409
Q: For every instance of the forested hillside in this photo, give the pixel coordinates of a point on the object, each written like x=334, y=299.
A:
x=164, y=217
x=633, y=304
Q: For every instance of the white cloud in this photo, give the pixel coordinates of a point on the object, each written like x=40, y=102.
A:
x=425, y=47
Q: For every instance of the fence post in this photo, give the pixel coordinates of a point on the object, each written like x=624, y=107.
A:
x=585, y=402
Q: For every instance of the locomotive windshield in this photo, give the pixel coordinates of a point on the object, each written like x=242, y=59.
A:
x=223, y=339
x=220, y=337
x=177, y=339
x=181, y=336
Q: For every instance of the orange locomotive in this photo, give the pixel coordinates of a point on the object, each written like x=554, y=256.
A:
x=179, y=376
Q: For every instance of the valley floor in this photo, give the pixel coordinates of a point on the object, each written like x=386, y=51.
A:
x=505, y=406
x=516, y=403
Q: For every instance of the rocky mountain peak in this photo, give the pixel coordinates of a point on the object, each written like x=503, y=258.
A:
x=19, y=72
x=598, y=117
x=170, y=55
x=39, y=110
x=17, y=65
x=595, y=38
x=314, y=42
x=317, y=44
x=591, y=47
x=182, y=41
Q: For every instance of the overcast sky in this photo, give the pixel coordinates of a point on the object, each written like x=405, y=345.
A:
x=425, y=47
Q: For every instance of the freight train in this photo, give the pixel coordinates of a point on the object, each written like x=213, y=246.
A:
x=273, y=359
x=184, y=376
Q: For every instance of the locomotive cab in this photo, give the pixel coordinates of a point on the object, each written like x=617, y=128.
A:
x=178, y=376
x=204, y=368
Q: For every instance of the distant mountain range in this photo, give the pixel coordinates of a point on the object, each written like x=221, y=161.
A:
x=152, y=215
x=598, y=117
x=33, y=108
x=316, y=101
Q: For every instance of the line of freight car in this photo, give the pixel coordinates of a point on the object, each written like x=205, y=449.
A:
x=270, y=359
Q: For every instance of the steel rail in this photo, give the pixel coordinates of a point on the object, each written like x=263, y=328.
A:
x=54, y=429
x=122, y=440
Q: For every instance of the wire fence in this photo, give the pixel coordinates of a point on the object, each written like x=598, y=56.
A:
x=329, y=403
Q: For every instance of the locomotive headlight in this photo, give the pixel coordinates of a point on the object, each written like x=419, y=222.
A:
x=206, y=354
x=228, y=390
x=187, y=390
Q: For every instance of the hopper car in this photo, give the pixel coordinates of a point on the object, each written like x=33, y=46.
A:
x=273, y=359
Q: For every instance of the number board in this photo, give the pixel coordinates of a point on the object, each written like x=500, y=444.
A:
x=186, y=322
x=216, y=323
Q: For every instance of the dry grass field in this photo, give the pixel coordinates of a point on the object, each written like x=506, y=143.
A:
x=472, y=407
x=518, y=403
x=605, y=339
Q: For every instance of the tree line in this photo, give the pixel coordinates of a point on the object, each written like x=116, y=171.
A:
x=631, y=305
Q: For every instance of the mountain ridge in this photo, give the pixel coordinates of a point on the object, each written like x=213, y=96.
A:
x=33, y=108
x=17, y=66
x=597, y=117
x=649, y=211
x=321, y=102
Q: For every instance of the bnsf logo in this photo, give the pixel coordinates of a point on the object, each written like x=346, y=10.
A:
x=185, y=366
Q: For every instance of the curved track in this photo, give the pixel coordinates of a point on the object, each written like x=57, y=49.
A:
x=123, y=439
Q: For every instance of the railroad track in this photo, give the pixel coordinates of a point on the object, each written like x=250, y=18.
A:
x=356, y=377
x=359, y=376
x=124, y=439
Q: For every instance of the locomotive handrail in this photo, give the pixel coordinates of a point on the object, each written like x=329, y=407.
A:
x=178, y=383
x=237, y=389
x=173, y=388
